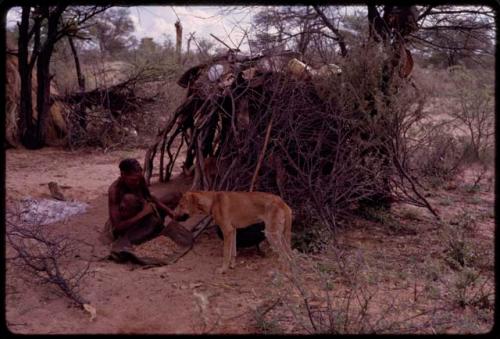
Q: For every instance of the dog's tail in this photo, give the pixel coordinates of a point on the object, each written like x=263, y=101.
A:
x=288, y=230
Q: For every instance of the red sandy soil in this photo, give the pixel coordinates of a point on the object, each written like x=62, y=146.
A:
x=188, y=296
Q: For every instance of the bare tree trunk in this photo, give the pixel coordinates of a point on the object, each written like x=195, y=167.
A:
x=33, y=135
x=303, y=42
x=377, y=27
x=340, y=36
x=188, y=52
x=43, y=75
x=42, y=98
x=380, y=29
x=26, y=125
x=82, y=116
x=178, y=44
x=43, y=72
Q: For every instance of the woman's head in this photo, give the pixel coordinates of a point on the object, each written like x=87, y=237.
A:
x=131, y=173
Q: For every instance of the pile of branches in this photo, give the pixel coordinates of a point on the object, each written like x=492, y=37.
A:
x=326, y=143
x=120, y=98
x=109, y=115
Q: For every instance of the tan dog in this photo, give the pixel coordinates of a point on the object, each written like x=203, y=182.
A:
x=232, y=210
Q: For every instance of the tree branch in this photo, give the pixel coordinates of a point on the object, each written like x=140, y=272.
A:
x=340, y=37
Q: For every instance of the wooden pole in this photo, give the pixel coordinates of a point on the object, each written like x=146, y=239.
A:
x=178, y=45
x=261, y=156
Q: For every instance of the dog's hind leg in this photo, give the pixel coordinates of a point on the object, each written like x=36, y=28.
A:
x=280, y=234
x=288, y=231
x=259, y=250
x=284, y=250
x=232, y=262
x=273, y=240
x=274, y=237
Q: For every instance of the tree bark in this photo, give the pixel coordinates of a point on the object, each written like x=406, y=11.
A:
x=43, y=72
x=178, y=44
x=377, y=27
x=82, y=116
x=340, y=36
x=33, y=134
x=380, y=31
x=25, y=104
x=43, y=97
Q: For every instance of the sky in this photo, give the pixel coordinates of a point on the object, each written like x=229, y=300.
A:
x=226, y=22
x=158, y=22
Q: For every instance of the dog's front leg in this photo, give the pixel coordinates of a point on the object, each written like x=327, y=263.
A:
x=228, y=234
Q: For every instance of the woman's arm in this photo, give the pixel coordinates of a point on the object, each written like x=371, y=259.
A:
x=115, y=215
x=162, y=206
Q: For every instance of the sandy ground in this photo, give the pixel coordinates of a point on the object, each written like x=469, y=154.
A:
x=83, y=176
x=188, y=296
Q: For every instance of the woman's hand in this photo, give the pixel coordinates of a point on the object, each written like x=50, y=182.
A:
x=147, y=209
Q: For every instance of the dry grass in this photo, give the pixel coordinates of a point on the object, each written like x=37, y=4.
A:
x=439, y=279
x=401, y=271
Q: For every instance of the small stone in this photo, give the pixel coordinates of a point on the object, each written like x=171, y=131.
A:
x=194, y=285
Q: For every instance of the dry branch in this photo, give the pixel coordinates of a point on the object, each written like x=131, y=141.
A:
x=47, y=257
x=117, y=98
x=261, y=156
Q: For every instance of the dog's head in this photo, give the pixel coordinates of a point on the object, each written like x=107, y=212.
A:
x=188, y=205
